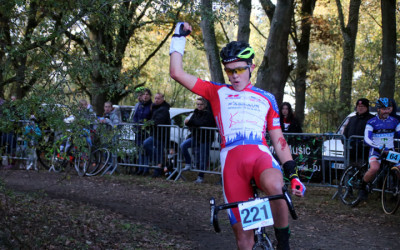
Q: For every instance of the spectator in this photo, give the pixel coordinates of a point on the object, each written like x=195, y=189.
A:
x=111, y=115
x=32, y=133
x=13, y=98
x=199, y=140
x=356, y=126
x=155, y=144
x=139, y=94
x=142, y=114
x=87, y=108
x=289, y=123
x=143, y=111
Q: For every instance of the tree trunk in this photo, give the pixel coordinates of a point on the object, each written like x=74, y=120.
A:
x=302, y=49
x=388, y=74
x=274, y=69
x=210, y=42
x=269, y=8
x=243, y=34
x=349, y=34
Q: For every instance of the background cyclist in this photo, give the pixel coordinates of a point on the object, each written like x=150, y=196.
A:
x=243, y=113
x=379, y=131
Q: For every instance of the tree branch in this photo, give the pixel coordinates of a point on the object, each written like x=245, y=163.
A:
x=259, y=31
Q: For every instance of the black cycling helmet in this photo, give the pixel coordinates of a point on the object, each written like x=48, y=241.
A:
x=237, y=51
x=383, y=102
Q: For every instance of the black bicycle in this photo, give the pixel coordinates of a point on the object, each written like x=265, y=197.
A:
x=256, y=215
x=351, y=182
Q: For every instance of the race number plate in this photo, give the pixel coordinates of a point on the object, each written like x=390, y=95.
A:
x=393, y=157
x=255, y=214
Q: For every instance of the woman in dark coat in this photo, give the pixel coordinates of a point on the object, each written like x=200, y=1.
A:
x=289, y=123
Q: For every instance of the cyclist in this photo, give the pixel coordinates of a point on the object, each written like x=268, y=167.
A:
x=243, y=113
x=379, y=132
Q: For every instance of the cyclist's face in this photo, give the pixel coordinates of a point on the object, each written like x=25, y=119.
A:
x=239, y=78
x=383, y=113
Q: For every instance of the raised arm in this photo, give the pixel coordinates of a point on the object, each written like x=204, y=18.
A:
x=177, y=49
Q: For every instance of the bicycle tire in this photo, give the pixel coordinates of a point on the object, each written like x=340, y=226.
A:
x=262, y=241
x=58, y=163
x=390, y=195
x=98, y=161
x=81, y=160
x=350, y=184
x=43, y=159
x=42, y=150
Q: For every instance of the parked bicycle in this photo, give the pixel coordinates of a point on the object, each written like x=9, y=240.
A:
x=351, y=181
x=255, y=215
x=67, y=151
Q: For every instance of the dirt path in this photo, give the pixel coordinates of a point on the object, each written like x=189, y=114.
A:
x=182, y=209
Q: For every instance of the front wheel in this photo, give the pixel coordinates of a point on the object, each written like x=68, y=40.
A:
x=351, y=183
x=81, y=159
x=261, y=240
x=390, y=192
x=59, y=162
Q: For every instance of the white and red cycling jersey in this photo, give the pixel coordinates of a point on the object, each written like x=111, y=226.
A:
x=242, y=117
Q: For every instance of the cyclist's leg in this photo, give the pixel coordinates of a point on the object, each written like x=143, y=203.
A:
x=374, y=165
x=271, y=182
x=237, y=173
x=244, y=239
x=236, y=186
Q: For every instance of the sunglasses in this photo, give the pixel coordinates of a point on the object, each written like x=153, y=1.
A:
x=238, y=71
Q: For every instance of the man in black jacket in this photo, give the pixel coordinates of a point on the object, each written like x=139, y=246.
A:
x=356, y=126
x=155, y=144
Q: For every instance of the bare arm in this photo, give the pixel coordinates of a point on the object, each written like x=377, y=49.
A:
x=283, y=151
x=178, y=74
x=280, y=145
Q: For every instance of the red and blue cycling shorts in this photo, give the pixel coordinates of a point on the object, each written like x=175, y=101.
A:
x=240, y=164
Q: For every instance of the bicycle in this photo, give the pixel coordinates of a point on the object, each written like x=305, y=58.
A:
x=67, y=153
x=351, y=183
x=257, y=215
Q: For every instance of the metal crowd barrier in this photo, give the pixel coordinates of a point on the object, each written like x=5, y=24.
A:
x=321, y=158
x=143, y=146
x=203, y=151
x=17, y=145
